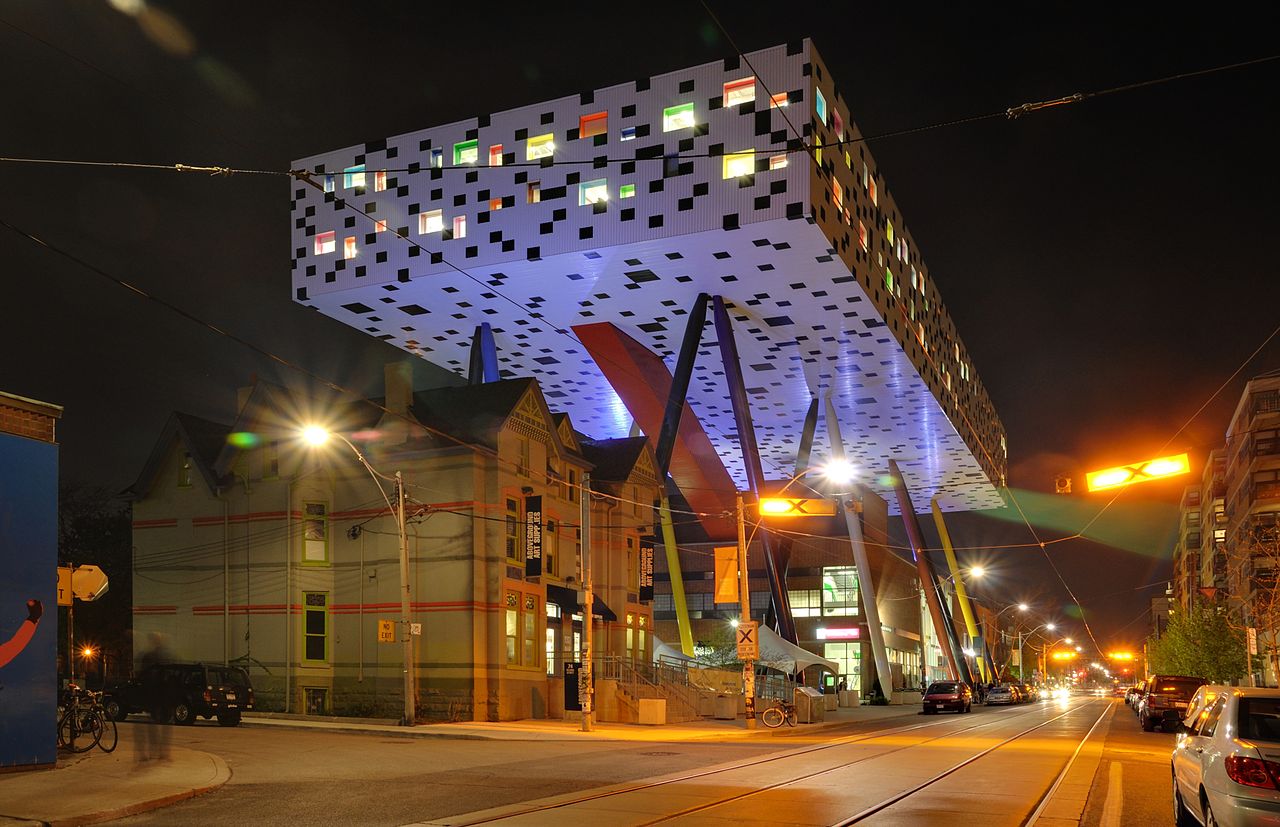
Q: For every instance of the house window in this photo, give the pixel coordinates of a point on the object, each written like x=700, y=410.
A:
x=353, y=177
x=315, y=626
x=677, y=117
x=839, y=591
x=460, y=226
x=523, y=458
x=573, y=485
x=820, y=106
x=627, y=191
x=326, y=242
x=628, y=133
x=467, y=152
x=495, y=155
x=591, y=125
x=349, y=247
x=737, y=164
x=633, y=565
x=540, y=146
x=521, y=625
x=437, y=157
x=778, y=100
x=739, y=91
x=184, y=471
x=591, y=192
x=515, y=549
x=430, y=222
x=380, y=180
x=315, y=533
x=778, y=162
x=534, y=192
x=550, y=549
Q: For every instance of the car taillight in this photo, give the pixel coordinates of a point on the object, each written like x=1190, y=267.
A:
x=1252, y=772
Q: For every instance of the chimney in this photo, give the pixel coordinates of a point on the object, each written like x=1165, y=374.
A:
x=398, y=377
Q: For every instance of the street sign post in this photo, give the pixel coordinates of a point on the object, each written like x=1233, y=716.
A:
x=748, y=640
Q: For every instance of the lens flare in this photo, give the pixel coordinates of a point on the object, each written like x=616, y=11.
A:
x=244, y=439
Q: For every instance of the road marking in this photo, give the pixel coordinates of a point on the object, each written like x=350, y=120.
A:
x=1113, y=807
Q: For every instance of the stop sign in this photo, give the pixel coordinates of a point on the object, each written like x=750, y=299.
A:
x=88, y=582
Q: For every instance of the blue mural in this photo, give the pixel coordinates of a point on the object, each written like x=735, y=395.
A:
x=28, y=601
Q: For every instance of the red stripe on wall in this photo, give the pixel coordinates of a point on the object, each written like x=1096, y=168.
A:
x=167, y=523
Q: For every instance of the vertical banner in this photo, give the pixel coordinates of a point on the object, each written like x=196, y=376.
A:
x=532, y=536
x=28, y=601
x=646, y=568
x=726, y=574
x=572, y=696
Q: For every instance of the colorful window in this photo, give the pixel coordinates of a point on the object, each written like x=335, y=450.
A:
x=495, y=155
x=328, y=183
x=874, y=192
x=326, y=242
x=380, y=225
x=467, y=152
x=628, y=133
x=627, y=191
x=862, y=235
x=778, y=162
x=820, y=106
x=495, y=204
x=353, y=176
x=837, y=124
x=888, y=280
x=888, y=231
x=540, y=146
x=315, y=533
x=533, y=192
x=779, y=100
x=460, y=226
x=737, y=164
x=380, y=180
x=739, y=91
x=591, y=125
x=837, y=193
x=315, y=626
x=349, y=247
x=431, y=221
x=592, y=192
x=437, y=157
x=677, y=117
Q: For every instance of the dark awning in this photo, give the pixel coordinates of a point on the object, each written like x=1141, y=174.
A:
x=567, y=600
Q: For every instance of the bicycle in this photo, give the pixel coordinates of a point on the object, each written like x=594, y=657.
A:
x=777, y=712
x=84, y=724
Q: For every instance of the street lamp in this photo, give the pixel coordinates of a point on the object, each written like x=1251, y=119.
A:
x=316, y=436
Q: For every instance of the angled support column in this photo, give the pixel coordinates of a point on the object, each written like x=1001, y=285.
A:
x=751, y=459
x=866, y=582
x=928, y=581
x=484, y=356
x=666, y=444
x=970, y=623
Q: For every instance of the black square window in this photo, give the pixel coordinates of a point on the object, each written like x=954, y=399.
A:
x=686, y=86
x=655, y=221
x=628, y=111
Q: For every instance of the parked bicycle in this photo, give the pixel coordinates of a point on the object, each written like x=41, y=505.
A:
x=777, y=712
x=83, y=722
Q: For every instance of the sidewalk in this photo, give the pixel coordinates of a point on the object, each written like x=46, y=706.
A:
x=96, y=786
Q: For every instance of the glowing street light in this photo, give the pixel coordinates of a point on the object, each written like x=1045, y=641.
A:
x=1145, y=471
x=839, y=472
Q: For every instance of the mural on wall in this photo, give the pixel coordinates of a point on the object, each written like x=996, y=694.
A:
x=28, y=580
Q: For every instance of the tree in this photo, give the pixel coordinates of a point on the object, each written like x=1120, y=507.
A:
x=1201, y=642
x=1255, y=580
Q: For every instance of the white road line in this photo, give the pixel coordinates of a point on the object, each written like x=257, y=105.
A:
x=1113, y=807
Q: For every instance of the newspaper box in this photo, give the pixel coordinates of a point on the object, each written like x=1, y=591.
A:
x=810, y=707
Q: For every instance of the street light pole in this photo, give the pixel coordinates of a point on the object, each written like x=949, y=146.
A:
x=585, y=687
x=744, y=594
x=406, y=627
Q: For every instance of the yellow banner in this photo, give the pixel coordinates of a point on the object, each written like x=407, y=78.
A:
x=727, y=574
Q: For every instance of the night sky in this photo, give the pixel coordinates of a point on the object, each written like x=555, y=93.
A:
x=1109, y=264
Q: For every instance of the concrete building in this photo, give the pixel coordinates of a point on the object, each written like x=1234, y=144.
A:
x=1187, y=582
x=254, y=549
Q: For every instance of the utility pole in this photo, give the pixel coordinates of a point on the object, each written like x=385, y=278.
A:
x=406, y=629
x=744, y=595
x=585, y=688
x=1022, y=669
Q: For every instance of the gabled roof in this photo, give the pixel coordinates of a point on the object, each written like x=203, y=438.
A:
x=614, y=459
x=203, y=439
x=476, y=413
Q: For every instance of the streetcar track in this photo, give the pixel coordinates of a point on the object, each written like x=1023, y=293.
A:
x=1043, y=803
x=463, y=821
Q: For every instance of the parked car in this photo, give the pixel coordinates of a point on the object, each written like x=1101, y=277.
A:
x=1226, y=770
x=948, y=695
x=1024, y=692
x=182, y=692
x=1002, y=694
x=1134, y=693
x=1199, y=705
x=1166, y=700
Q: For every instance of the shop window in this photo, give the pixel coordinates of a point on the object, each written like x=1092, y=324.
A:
x=738, y=164
x=540, y=146
x=349, y=247
x=315, y=627
x=184, y=471
x=326, y=242
x=533, y=192
x=512, y=612
x=431, y=221
x=529, y=624
x=466, y=152
x=779, y=100
x=627, y=191
x=495, y=155
x=628, y=133
x=820, y=106
x=521, y=616
x=778, y=162
x=315, y=533
x=353, y=177
x=591, y=192
x=437, y=157
x=460, y=226
x=849, y=658
x=380, y=180
x=591, y=125
x=677, y=117
x=515, y=549
x=739, y=91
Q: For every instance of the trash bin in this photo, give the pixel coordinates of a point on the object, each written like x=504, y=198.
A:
x=848, y=697
x=810, y=707
x=726, y=707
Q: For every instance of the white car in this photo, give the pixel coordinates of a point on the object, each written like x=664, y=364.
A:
x=1226, y=770
x=1199, y=707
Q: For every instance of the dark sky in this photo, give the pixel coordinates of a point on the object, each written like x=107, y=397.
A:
x=1109, y=264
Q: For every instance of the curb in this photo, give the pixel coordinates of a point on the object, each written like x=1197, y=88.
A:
x=222, y=776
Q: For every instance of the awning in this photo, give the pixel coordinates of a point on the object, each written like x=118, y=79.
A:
x=665, y=652
x=567, y=600
x=777, y=653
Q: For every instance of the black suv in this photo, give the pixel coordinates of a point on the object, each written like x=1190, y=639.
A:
x=181, y=692
x=1165, y=701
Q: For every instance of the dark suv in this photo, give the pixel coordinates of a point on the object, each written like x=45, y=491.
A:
x=181, y=692
x=1165, y=701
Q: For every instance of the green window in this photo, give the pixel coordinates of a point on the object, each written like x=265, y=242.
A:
x=627, y=191
x=839, y=591
x=467, y=152
x=315, y=627
x=315, y=534
x=353, y=177
x=677, y=117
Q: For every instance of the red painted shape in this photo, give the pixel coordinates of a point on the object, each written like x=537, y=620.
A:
x=642, y=382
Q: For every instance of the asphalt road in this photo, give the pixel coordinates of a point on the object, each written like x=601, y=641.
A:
x=1133, y=786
